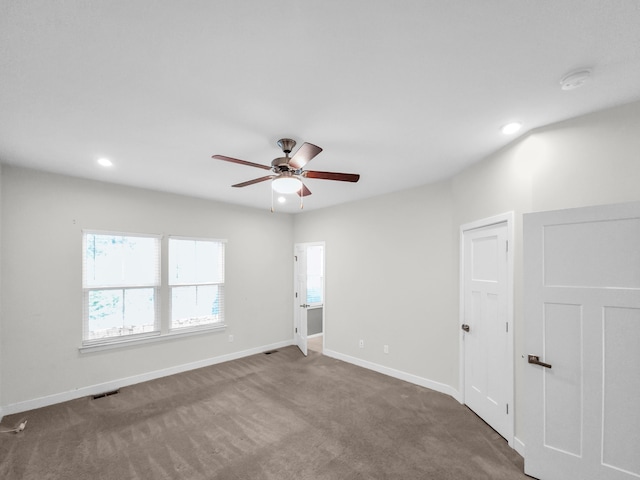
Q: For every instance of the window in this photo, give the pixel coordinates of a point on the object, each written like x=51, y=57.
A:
x=121, y=279
x=196, y=280
x=315, y=275
x=122, y=283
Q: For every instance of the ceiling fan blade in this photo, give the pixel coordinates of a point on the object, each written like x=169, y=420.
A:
x=251, y=182
x=304, y=155
x=304, y=191
x=241, y=162
x=342, y=177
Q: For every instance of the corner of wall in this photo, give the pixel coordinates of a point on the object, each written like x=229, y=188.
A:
x=518, y=446
x=400, y=375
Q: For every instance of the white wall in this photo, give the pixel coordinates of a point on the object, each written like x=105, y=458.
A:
x=393, y=262
x=389, y=279
x=42, y=219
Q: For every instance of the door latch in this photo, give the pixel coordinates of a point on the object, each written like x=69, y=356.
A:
x=465, y=327
x=534, y=359
x=305, y=305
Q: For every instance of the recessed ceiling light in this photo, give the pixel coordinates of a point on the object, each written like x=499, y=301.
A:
x=575, y=79
x=282, y=199
x=105, y=162
x=510, y=128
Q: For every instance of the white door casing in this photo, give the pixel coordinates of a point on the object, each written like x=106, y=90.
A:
x=582, y=319
x=486, y=349
x=300, y=297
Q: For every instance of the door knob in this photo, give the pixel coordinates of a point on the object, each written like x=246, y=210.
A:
x=304, y=305
x=465, y=327
x=534, y=359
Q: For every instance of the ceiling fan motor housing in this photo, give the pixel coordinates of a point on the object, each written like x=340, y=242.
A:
x=280, y=164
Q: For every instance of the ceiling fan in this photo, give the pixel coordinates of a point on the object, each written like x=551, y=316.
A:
x=287, y=173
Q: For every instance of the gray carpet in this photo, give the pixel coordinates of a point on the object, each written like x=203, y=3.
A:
x=279, y=416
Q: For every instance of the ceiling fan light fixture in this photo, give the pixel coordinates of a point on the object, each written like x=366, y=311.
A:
x=286, y=184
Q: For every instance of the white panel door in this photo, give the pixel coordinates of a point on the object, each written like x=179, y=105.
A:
x=300, y=298
x=582, y=321
x=488, y=356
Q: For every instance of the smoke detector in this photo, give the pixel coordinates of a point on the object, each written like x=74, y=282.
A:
x=576, y=79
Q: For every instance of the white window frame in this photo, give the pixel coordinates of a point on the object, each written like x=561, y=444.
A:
x=155, y=285
x=221, y=286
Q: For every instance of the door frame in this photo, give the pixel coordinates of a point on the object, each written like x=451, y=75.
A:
x=508, y=218
x=296, y=305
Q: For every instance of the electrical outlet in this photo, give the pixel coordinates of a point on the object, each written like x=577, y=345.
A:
x=230, y=338
x=361, y=343
x=386, y=349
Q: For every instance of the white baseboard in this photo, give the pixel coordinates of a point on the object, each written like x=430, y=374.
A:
x=125, y=382
x=407, y=377
x=518, y=446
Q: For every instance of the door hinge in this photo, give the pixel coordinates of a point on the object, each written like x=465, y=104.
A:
x=296, y=257
x=296, y=294
x=506, y=325
x=296, y=329
x=507, y=409
x=507, y=242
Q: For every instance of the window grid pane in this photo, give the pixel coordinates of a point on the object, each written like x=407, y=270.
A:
x=119, y=312
x=314, y=289
x=195, y=262
x=196, y=305
x=118, y=260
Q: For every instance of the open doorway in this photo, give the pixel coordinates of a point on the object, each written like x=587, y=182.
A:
x=309, y=301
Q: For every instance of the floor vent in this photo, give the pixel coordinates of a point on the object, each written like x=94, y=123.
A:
x=270, y=352
x=105, y=394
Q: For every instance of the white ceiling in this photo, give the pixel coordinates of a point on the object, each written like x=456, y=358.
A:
x=405, y=92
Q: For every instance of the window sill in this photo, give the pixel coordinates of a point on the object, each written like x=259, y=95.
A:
x=154, y=338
